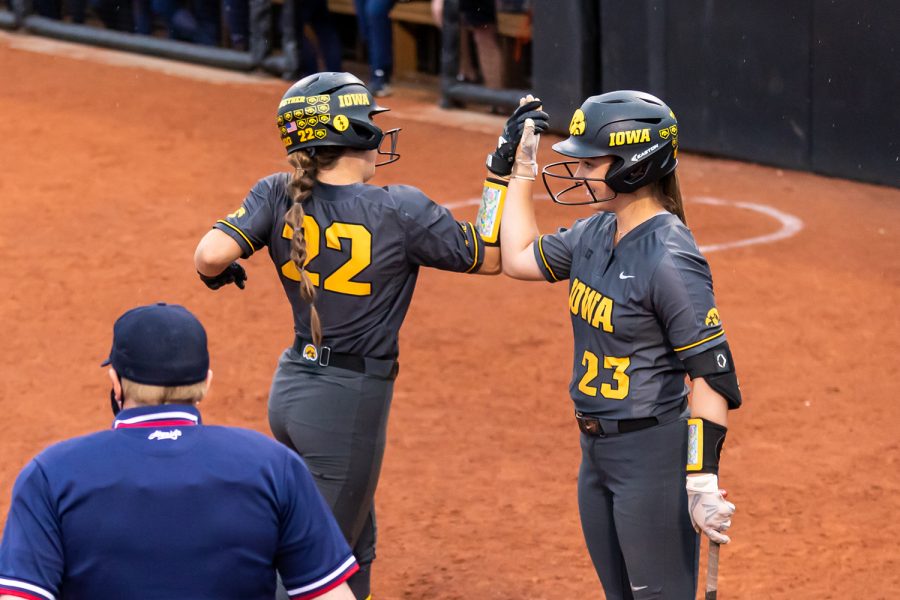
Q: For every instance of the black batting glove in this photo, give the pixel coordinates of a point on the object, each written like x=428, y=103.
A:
x=234, y=273
x=501, y=160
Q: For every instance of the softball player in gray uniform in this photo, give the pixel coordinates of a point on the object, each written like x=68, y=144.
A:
x=348, y=255
x=643, y=316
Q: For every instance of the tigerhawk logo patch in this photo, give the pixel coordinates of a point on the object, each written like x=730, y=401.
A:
x=712, y=317
x=310, y=353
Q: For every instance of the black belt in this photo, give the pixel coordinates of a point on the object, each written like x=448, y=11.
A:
x=603, y=427
x=324, y=357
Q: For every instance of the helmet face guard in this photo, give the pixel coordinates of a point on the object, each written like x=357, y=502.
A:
x=554, y=171
x=392, y=155
x=638, y=130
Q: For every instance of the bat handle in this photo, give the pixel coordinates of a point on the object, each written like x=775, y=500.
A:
x=712, y=571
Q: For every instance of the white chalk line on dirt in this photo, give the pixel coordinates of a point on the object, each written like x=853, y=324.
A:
x=789, y=224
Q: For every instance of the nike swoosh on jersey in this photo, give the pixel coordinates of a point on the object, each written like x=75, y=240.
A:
x=622, y=275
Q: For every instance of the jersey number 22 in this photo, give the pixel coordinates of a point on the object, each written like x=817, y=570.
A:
x=341, y=281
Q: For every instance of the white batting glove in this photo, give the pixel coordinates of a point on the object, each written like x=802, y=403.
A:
x=710, y=511
x=525, y=166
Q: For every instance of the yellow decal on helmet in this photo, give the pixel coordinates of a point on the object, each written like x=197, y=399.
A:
x=324, y=118
x=280, y=121
x=664, y=133
x=288, y=116
x=354, y=100
x=294, y=100
x=576, y=127
x=631, y=136
x=341, y=123
x=312, y=121
x=320, y=134
x=310, y=110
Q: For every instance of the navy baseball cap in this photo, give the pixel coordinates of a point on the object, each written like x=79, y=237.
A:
x=159, y=344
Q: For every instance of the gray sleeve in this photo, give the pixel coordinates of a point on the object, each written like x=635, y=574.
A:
x=553, y=252
x=682, y=296
x=251, y=224
x=434, y=238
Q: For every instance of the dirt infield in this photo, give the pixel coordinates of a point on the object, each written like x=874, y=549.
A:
x=110, y=174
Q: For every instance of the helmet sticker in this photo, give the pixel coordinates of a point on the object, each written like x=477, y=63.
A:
x=280, y=120
x=638, y=156
x=310, y=110
x=356, y=99
x=576, y=126
x=341, y=123
x=324, y=118
x=322, y=108
x=320, y=134
x=294, y=100
x=312, y=121
x=288, y=116
x=632, y=136
x=664, y=133
x=301, y=122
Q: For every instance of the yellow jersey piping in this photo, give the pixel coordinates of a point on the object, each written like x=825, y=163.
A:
x=474, y=241
x=241, y=233
x=712, y=337
x=544, y=258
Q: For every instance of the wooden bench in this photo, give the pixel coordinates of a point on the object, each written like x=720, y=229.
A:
x=418, y=12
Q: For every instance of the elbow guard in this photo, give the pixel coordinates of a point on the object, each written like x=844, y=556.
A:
x=717, y=368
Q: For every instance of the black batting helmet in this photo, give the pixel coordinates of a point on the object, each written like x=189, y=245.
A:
x=330, y=109
x=635, y=128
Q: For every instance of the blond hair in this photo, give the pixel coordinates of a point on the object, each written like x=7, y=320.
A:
x=306, y=168
x=152, y=395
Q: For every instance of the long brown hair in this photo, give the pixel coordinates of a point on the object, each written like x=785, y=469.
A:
x=670, y=196
x=306, y=169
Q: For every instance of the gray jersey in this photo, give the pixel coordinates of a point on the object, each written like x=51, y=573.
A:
x=638, y=309
x=365, y=245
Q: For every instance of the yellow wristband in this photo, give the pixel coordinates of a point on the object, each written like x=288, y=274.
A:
x=487, y=223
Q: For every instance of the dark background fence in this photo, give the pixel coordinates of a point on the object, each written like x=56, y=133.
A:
x=802, y=84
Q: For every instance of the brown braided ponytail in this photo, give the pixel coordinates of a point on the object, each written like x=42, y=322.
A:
x=671, y=196
x=306, y=169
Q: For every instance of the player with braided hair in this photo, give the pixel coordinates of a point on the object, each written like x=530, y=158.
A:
x=348, y=255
